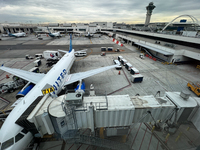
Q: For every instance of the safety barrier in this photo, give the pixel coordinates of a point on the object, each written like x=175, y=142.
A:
x=117, y=42
x=150, y=57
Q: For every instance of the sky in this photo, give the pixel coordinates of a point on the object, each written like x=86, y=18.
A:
x=85, y=11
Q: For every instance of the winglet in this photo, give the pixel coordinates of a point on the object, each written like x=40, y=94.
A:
x=70, y=46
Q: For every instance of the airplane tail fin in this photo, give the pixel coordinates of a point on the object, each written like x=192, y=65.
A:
x=48, y=30
x=7, y=32
x=70, y=46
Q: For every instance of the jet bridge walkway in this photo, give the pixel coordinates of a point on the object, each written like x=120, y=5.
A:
x=122, y=111
x=23, y=122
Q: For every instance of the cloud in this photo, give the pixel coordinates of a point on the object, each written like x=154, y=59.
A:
x=89, y=10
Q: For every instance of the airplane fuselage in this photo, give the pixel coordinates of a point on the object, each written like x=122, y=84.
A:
x=55, y=77
x=57, y=34
x=17, y=34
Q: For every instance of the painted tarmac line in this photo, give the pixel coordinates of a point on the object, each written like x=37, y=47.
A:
x=150, y=141
x=143, y=138
x=136, y=135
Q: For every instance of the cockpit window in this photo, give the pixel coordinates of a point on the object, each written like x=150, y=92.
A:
x=24, y=131
x=7, y=143
x=18, y=137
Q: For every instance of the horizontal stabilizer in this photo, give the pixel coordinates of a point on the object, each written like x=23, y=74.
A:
x=62, y=51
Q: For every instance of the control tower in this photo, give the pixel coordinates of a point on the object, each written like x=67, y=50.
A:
x=149, y=8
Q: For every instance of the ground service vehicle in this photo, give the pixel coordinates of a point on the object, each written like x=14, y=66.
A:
x=77, y=54
x=194, y=87
x=120, y=58
x=103, y=48
x=28, y=57
x=128, y=66
x=137, y=78
x=103, y=54
x=117, y=63
x=110, y=48
x=51, y=55
x=124, y=61
x=117, y=50
x=134, y=71
x=11, y=86
x=39, y=55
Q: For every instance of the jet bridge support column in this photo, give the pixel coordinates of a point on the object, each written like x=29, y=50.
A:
x=91, y=112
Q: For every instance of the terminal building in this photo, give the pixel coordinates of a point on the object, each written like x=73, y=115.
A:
x=180, y=46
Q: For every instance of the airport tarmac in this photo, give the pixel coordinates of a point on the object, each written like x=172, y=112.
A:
x=157, y=77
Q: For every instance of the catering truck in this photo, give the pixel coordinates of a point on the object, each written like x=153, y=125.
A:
x=51, y=55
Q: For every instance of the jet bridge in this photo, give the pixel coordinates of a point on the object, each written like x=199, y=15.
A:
x=67, y=114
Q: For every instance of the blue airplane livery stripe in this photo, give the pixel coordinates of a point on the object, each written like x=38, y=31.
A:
x=59, y=80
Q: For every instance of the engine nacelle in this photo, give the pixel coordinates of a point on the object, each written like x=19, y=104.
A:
x=80, y=87
x=25, y=90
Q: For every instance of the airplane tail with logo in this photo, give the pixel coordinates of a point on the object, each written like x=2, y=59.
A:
x=9, y=34
x=48, y=30
x=70, y=46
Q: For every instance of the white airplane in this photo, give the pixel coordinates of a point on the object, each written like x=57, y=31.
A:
x=15, y=137
x=21, y=34
x=86, y=34
x=89, y=35
x=57, y=34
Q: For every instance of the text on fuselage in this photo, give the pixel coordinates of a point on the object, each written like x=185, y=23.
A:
x=59, y=80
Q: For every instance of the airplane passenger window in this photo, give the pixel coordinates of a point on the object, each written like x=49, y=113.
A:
x=18, y=137
x=7, y=143
x=24, y=131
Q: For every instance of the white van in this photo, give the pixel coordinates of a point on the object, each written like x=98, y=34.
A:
x=117, y=63
x=51, y=55
x=80, y=54
x=39, y=55
x=128, y=66
x=120, y=58
x=124, y=61
x=134, y=71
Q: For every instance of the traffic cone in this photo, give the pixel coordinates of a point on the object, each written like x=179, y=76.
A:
x=119, y=73
x=7, y=76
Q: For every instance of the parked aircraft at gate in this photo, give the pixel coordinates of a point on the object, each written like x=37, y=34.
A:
x=21, y=34
x=89, y=35
x=15, y=137
x=57, y=34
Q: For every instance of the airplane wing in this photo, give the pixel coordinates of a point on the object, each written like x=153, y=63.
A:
x=26, y=75
x=82, y=75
